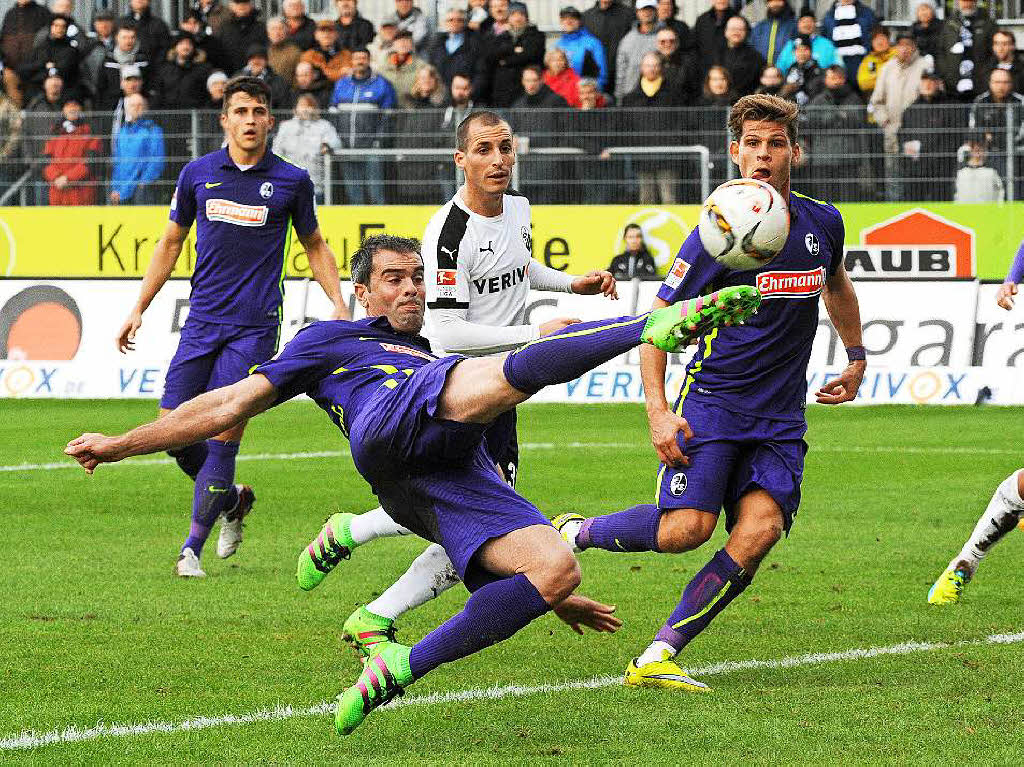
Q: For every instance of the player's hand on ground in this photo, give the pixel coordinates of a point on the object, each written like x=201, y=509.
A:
x=843, y=388
x=92, y=449
x=665, y=427
x=558, y=323
x=578, y=611
x=125, y=340
x=597, y=281
x=1005, y=294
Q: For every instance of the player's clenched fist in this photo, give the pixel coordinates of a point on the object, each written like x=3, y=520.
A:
x=665, y=428
x=597, y=281
x=1005, y=294
x=92, y=449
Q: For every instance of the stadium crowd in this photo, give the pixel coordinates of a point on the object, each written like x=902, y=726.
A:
x=104, y=113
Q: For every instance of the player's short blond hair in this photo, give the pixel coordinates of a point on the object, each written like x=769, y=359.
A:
x=761, y=107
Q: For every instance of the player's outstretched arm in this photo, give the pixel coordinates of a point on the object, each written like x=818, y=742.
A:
x=578, y=611
x=664, y=424
x=844, y=311
x=599, y=281
x=325, y=271
x=165, y=256
x=201, y=418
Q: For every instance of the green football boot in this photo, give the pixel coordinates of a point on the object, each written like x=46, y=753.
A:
x=366, y=633
x=949, y=586
x=333, y=544
x=672, y=328
x=385, y=676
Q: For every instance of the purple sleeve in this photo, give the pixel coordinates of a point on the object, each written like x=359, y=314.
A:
x=300, y=364
x=838, y=234
x=304, y=207
x=183, y=203
x=1016, y=273
x=691, y=272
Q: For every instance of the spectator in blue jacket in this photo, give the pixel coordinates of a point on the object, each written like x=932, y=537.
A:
x=138, y=156
x=822, y=49
x=585, y=53
x=770, y=35
x=363, y=99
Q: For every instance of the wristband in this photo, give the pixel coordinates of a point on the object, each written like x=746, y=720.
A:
x=854, y=353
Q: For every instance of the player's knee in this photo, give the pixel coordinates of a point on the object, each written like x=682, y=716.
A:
x=558, y=577
x=760, y=538
x=684, y=530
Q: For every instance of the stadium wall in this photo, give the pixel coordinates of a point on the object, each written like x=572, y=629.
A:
x=931, y=328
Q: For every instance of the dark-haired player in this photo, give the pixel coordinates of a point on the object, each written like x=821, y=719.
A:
x=734, y=438
x=243, y=200
x=416, y=426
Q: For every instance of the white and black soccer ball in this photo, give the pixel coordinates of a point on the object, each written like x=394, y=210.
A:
x=744, y=224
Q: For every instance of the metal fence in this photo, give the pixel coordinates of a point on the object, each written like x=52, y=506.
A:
x=940, y=152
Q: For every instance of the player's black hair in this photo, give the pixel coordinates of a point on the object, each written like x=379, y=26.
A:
x=362, y=259
x=484, y=116
x=253, y=86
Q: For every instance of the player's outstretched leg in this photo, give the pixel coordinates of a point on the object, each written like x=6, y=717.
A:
x=430, y=574
x=340, y=535
x=1003, y=513
x=635, y=529
x=215, y=492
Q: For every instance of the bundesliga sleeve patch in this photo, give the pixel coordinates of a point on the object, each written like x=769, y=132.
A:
x=675, y=275
x=446, y=283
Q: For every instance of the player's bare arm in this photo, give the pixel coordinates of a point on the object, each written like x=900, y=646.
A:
x=596, y=282
x=165, y=256
x=1005, y=295
x=325, y=271
x=844, y=311
x=664, y=424
x=205, y=416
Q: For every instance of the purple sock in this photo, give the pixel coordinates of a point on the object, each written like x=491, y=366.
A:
x=571, y=352
x=714, y=587
x=494, y=612
x=190, y=459
x=634, y=529
x=215, y=491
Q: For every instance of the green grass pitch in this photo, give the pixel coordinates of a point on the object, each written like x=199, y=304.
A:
x=95, y=629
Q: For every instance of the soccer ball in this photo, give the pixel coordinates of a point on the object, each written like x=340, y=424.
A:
x=744, y=224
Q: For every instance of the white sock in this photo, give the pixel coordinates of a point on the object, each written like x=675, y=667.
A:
x=374, y=524
x=430, y=573
x=656, y=651
x=1001, y=516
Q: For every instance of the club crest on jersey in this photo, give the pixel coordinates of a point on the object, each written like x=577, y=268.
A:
x=791, y=284
x=811, y=241
x=527, y=239
x=677, y=272
x=235, y=213
x=266, y=190
x=399, y=349
x=677, y=486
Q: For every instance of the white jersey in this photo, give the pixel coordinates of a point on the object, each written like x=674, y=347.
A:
x=477, y=272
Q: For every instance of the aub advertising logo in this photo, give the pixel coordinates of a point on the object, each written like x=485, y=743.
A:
x=915, y=244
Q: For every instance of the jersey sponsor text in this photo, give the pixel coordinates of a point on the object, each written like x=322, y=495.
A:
x=235, y=213
x=791, y=284
x=501, y=282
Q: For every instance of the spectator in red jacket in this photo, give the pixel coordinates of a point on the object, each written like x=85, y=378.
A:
x=561, y=78
x=71, y=150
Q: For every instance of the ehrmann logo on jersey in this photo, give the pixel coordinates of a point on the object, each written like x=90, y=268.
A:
x=235, y=213
x=791, y=284
x=399, y=349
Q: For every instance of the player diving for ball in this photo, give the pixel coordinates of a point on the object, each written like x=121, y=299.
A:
x=416, y=425
x=734, y=437
x=1006, y=508
x=244, y=200
x=478, y=273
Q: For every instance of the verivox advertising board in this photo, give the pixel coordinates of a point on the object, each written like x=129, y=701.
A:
x=940, y=240
x=928, y=342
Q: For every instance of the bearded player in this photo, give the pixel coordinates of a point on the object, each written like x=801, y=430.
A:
x=1006, y=508
x=478, y=272
x=734, y=438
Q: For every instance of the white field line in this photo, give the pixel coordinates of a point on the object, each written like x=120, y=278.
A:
x=526, y=446
x=30, y=739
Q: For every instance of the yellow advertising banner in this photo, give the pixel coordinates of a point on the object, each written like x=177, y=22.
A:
x=117, y=242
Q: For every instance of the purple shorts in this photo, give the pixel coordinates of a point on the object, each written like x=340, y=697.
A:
x=434, y=476
x=732, y=454
x=503, y=445
x=211, y=355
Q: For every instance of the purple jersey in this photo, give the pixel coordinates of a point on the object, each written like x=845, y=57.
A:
x=760, y=368
x=341, y=364
x=242, y=233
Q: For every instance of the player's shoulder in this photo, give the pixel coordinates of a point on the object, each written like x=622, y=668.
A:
x=448, y=226
x=515, y=200
x=285, y=167
x=825, y=213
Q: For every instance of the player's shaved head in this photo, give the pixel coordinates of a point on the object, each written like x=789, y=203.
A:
x=759, y=108
x=484, y=119
x=362, y=259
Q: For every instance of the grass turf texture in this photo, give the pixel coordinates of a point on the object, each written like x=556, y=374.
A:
x=96, y=629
